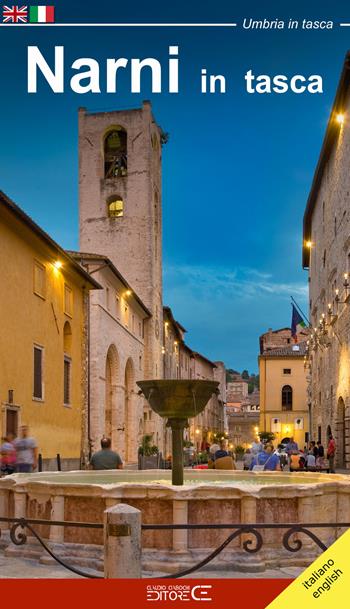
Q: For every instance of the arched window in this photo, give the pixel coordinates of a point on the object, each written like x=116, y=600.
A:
x=115, y=153
x=115, y=207
x=67, y=338
x=287, y=397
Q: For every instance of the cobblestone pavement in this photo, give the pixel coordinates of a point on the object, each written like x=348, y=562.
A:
x=14, y=567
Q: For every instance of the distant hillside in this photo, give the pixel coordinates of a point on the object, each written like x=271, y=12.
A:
x=253, y=379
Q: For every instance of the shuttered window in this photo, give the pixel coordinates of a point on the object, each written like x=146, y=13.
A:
x=39, y=279
x=38, y=373
x=68, y=301
x=67, y=381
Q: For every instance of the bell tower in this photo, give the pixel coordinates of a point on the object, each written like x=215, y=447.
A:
x=120, y=206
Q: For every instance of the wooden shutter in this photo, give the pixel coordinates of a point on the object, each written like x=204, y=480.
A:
x=38, y=373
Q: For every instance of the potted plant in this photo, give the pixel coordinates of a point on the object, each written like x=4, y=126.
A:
x=266, y=436
x=202, y=457
x=239, y=450
x=148, y=453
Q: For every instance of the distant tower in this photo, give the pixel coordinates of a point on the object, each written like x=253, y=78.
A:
x=120, y=206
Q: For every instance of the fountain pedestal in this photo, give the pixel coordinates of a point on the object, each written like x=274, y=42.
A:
x=178, y=400
x=177, y=436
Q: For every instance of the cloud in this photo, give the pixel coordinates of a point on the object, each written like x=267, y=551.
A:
x=242, y=282
x=225, y=310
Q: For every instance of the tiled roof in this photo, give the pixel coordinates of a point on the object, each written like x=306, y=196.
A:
x=297, y=350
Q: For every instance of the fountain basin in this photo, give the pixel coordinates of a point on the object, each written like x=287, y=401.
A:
x=178, y=399
x=206, y=497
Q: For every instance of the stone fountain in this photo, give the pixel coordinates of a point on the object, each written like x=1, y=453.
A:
x=178, y=400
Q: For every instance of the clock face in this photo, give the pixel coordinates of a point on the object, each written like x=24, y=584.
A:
x=156, y=328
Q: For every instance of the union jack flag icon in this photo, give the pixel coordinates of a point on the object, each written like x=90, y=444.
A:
x=15, y=14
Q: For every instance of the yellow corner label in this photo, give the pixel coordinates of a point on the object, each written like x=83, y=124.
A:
x=323, y=583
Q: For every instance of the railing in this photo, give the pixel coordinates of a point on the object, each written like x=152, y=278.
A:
x=252, y=546
x=294, y=545
x=19, y=538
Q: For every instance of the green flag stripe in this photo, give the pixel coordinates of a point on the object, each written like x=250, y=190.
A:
x=33, y=14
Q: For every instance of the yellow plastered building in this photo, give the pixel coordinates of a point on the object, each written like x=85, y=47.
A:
x=44, y=338
x=283, y=393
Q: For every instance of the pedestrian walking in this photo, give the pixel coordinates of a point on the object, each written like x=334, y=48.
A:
x=27, y=451
x=331, y=453
x=8, y=455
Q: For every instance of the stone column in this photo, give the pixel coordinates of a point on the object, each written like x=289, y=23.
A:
x=133, y=424
x=97, y=411
x=180, y=516
x=20, y=504
x=343, y=510
x=4, y=508
x=177, y=433
x=57, y=513
x=118, y=420
x=248, y=516
x=306, y=513
x=326, y=512
x=122, y=542
x=111, y=502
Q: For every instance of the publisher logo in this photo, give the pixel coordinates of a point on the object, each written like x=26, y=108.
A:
x=174, y=592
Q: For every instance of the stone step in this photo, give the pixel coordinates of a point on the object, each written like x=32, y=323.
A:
x=23, y=551
x=95, y=566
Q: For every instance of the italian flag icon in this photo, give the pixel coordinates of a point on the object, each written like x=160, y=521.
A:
x=41, y=14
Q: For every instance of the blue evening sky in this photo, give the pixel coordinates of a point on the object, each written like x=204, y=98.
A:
x=237, y=168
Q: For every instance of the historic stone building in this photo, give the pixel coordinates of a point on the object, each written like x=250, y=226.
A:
x=242, y=412
x=283, y=389
x=181, y=362
x=326, y=255
x=117, y=353
x=276, y=339
x=120, y=218
x=236, y=390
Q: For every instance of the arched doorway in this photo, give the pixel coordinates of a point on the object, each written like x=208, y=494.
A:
x=340, y=433
x=112, y=371
x=129, y=415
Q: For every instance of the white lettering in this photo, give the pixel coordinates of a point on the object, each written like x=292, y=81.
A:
x=173, y=71
x=93, y=74
x=113, y=66
x=54, y=79
x=137, y=65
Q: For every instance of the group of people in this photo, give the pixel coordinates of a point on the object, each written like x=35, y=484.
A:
x=312, y=458
x=21, y=455
x=18, y=454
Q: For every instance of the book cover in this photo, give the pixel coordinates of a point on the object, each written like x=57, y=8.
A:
x=174, y=310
